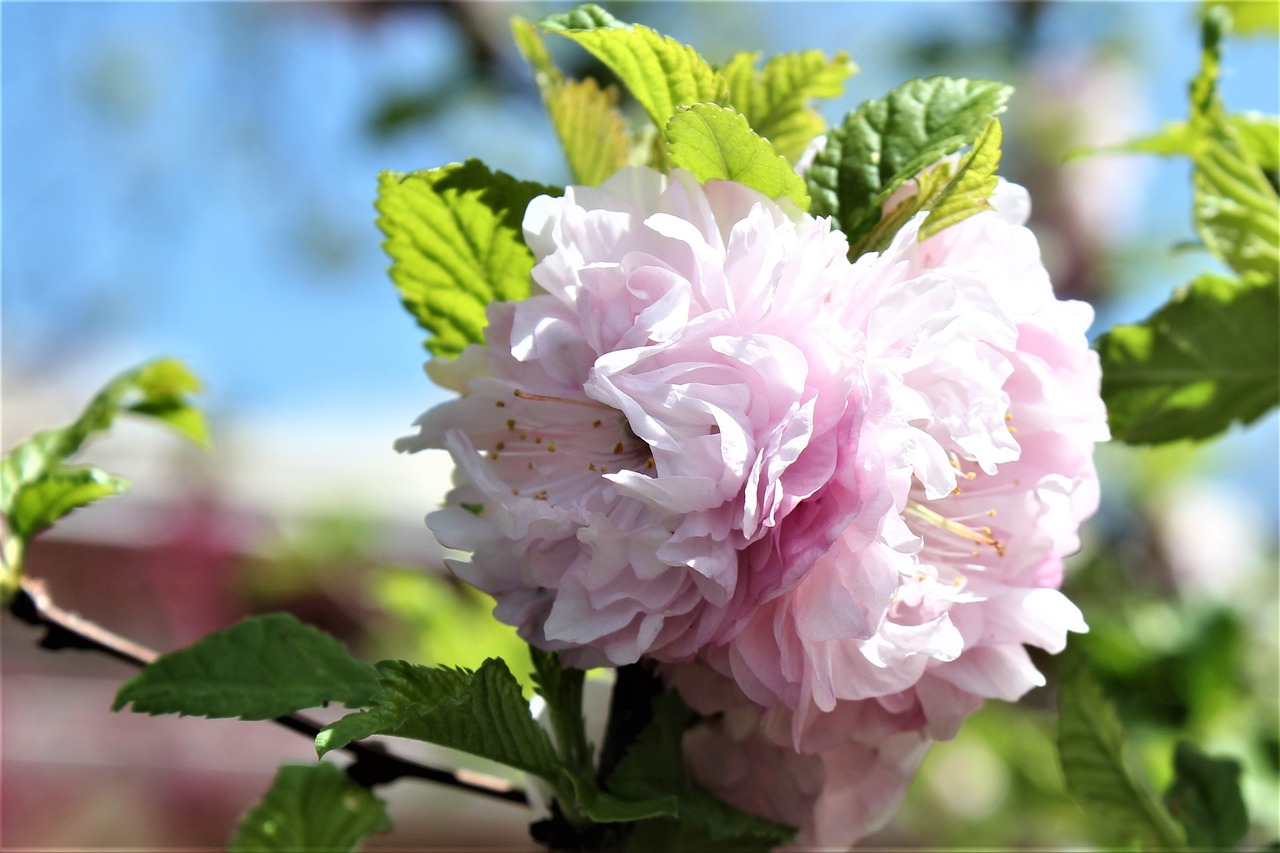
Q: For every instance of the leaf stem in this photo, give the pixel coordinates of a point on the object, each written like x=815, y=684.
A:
x=373, y=765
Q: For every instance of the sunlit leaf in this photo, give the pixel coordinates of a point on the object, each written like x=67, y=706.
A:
x=1252, y=16
x=311, y=807
x=159, y=389
x=1098, y=773
x=777, y=100
x=455, y=241
x=887, y=142
x=1207, y=359
x=586, y=117
x=716, y=143
x=260, y=668
x=659, y=71
x=60, y=491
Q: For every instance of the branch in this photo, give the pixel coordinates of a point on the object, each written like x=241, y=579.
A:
x=373, y=764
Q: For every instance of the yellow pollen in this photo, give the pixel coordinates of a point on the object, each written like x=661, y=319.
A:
x=501, y=404
x=1008, y=416
x=591, y=466
x=501, y=445
x=969, y=475
x=511, y=424
x=617, y=448
x=551, y=447
x=537, y=439
x=650, y=463
x=596, y=423
x=515, y=492
x=1013, y=430
x=522, y=436
x=958, y=582
x=604, y=469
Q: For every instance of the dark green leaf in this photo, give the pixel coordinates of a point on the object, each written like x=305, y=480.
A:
x=660, y=72
x=481, y=712
x=1205, y=798
x=776, y=101
x=887, y=142
x=455, y=241
x=653, y=767
x=1205, y=360
x=57, y=493
x=260, y=668
x=1095, y=764
x=716, y=143
x=311, y=807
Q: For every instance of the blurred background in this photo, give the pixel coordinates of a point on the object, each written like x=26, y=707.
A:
x=197, y=180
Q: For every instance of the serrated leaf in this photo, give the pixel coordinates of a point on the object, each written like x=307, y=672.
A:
x=481, y=712
x=716, y=143
x=970, y=190
x=311, y=807
x=586, y=118
x=1205, y=798
x=1260, y=135
x=158, y=388
x=562, y=690
x=60, y=491
x=653, y=767
x=1237, y=210
x=455, y=241
x=260, y=668
x=1205, y=360
x=659, y=71
x=887, y=142
x=1095, y=764
x=777, y=100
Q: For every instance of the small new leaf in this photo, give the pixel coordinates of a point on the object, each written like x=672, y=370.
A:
x=455, y=241
x=1206, y=359
x=311, y=807
x=60, y=491
x=260, y=668
x=159, y=388
x=1095, y=764
x=591, y=128
x=1205, y=797
x=659, y=71
x=716, y=143
x=887, y=142
x=562, y=690
x=481, y=712
x=777, y=101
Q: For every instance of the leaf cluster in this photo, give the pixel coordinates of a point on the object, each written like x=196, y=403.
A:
x=38, y=486
x=1211, y=356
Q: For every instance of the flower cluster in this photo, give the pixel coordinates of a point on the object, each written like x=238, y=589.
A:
x=830, y=498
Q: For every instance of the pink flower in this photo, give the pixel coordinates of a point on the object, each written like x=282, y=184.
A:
x=661, y=438
x=832, y=498
x=993, y=410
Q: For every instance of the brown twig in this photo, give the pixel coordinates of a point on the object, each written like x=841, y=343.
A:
x=373, y=764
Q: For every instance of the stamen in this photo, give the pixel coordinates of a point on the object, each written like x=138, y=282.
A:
x=590, y=404
x=955, y=527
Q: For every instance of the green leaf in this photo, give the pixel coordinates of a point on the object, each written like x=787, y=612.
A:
x=158, y=388
x=653, y=767
x=60, y=491
x=1252, y=16
x=970, y=190
x=1205, y=360
x=480, y=712
x=562, y=690
x=1260, y=135
x=1205, y=798
x=716, y=143
x=1237, y=210
x=660, y=72
x=776, y=101
x=260, y=668
x=591, y=128
x=887, y=142
x=1095, y=764
x=311, y=807
x=455, y=241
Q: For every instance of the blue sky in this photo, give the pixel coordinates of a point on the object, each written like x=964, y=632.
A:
x=197, y=179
